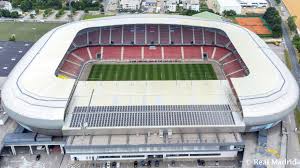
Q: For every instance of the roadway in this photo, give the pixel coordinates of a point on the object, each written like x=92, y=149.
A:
x=293, y=147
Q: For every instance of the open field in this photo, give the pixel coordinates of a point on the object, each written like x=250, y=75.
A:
x=294, y=9
x=125, y=72
x=91, y=16
x=255, y=24
x=25, y=31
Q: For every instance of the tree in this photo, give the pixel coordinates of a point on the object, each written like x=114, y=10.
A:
x=273, y=18
x=291, y=23
x=14, y=14
x=4, y=13
x=278, y=1
x=12, y=37
x=229, y=13
x=26, y=5
x=296, y=42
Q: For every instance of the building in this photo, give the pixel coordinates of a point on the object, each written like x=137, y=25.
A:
x=5, y=5
x=130, y=4
x=129, y=119
x=171, y=5
x=254, y=3
x=191, y=5
x=222, y=5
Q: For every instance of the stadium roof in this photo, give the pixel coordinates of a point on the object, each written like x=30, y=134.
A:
x=267, y=94
x=208, y=15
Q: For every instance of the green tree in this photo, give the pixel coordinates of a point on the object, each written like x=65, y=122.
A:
x=278, y=1
x=296, y=42
x=4, y=13
x=12, y=37
x=26, y=5
x=229, y=13
x=291, y=23
x=273, y=18
x=14, y=14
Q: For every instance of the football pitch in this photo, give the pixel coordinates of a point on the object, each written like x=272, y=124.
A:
x=138, y=72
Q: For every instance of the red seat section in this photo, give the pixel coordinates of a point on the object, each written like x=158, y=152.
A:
x=237, y=74
x=105, y=35
x=94, y=36
x=95, y=50
x=81, y=39
x=172, y=52
x=164, y=34
x=187, y=32
x=198, y=33
x=140, y=34
x=152, y=34
x=208, y=50
x=232, y=67
x=72, y=58
x=70, y=69
x=133, y=53
x=209, y=36
x=220, y=52
x=152, y=52
x=192, y=52
x=231, y=47
x=116, y=34
x=175, y=31
x=128, y=34
x=222, y=39
x=82, y=53
x=112, y=53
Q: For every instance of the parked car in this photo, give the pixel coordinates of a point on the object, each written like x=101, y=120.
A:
x=38, y=157
x=156, y=163
x=201, y=162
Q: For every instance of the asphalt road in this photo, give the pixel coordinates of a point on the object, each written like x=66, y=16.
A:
x=293, y=147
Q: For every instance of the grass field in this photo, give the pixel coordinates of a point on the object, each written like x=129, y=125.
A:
x=91, y=16
x=125, y=72
x=25, y=31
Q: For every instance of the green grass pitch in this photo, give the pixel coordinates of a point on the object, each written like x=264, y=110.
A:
x=137, y=72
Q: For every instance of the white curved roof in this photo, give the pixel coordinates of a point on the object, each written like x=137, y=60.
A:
x=33, y=93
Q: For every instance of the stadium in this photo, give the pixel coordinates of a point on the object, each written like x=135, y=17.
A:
x=157, y=80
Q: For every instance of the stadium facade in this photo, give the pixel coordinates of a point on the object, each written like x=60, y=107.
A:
x=49, y=92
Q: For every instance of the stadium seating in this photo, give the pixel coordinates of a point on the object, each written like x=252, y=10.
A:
x=140, y=34
x=192, y=52
x=111, y=53
x=132, y=53
x=70, y=69
x=175, y=32
x=94, y=36
x=152, y=34
x=198, y=33
x=209, y=37
x=172, y=53
x=187, y=35
x=221, y=39
x=105, y=35
x=152, y=52
x=94, y=51
x=81, y=39
x=83, y=53
x=116, y=35
x=128, y=34
x=208, y=50
x=220, y=53
x=164, y=34
x=74, y=59
x=152, y=42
